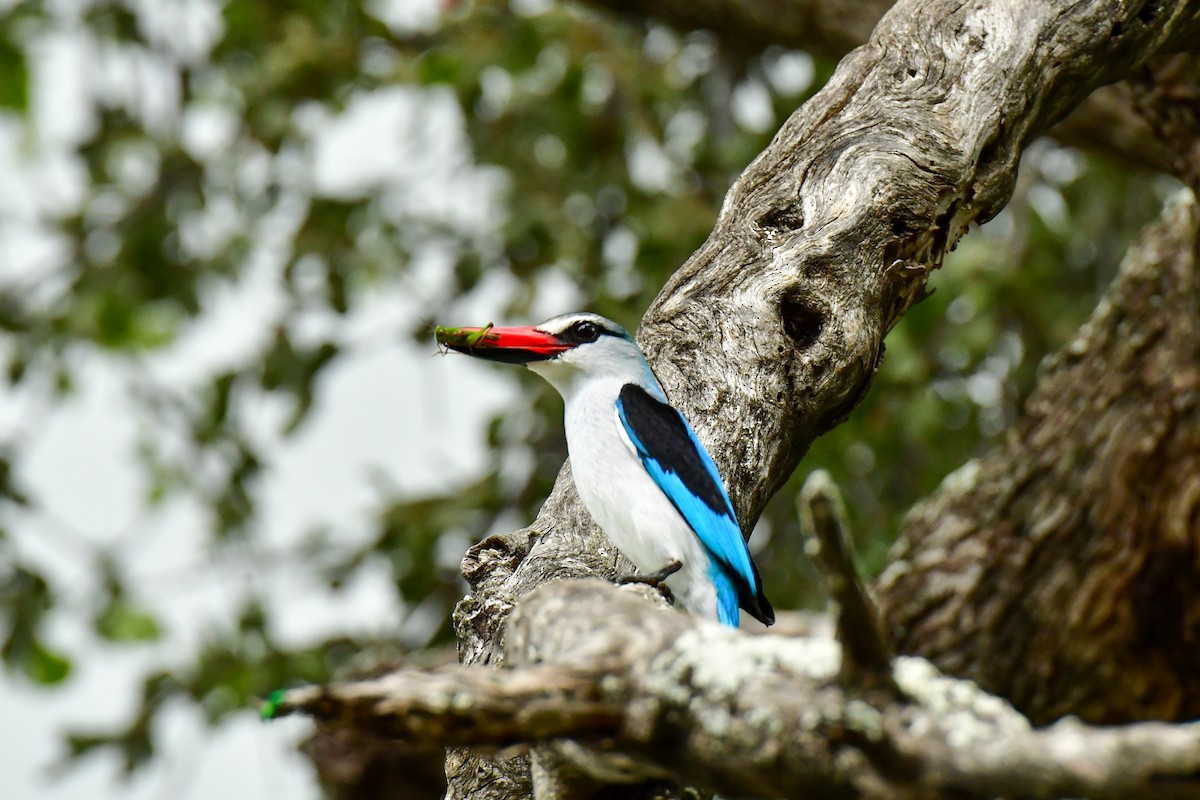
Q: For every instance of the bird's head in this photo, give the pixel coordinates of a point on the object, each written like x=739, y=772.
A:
x=564, y=350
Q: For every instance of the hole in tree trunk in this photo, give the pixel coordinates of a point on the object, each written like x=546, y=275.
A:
x=803, y=321
x=782, y=220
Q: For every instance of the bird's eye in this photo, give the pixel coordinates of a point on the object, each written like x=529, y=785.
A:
x=586, y=331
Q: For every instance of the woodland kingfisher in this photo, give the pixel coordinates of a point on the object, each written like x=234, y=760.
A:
x=641, y=472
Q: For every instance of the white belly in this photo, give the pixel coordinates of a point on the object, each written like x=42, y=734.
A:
x=628, y=505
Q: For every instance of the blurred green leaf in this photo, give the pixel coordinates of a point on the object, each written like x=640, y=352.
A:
x=45, y=666
x=438, y=66
x=26, y=598
x=14, y=76
x=10, y=489
x=123, y=622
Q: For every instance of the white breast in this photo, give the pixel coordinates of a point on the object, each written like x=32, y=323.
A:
x=626, y=502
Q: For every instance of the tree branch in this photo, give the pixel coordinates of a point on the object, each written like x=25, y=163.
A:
x=1167, y=95
x=770, y=333
x=866, y=649
x=829, y=28
x=749, y=716
x=457, y=706
x=1061, y=570
x=1107, y=122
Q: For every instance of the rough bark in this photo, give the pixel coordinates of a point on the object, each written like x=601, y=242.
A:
x=1076, y=546
x=357, y=764
x=1168, y=97
x=770, y=333
x=867, y=651
x=1106, y=122
x=653, y=695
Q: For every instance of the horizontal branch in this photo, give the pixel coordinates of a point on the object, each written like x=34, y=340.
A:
x=647, y=694
x=1070, y=759
x=829, y=28
x=461, y=705
x=771, y=332
x=1107, y=122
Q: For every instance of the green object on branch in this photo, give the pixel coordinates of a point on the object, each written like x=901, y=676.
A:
x=270, y=708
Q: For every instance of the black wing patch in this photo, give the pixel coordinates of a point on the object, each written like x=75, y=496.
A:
x=681, y=467
x=663, y=432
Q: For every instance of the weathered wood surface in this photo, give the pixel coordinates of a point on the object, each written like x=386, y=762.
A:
x=1076, y=546
x=1107, y=122
x=658, y=694
x=770, y=333
x=590, y=662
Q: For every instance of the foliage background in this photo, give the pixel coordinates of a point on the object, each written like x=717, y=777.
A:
x=537, y=157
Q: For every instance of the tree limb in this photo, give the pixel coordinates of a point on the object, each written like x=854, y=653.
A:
x=1107, y=122
x=1167, y=95
x=866, y=648
x=456, y=706
x=686, y=699
x=770, y=333
x=829, y=28
x=1061, y=570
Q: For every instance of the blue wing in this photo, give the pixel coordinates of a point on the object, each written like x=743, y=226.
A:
x=682, y=468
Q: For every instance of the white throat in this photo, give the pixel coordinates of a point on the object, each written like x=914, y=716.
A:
x=609, y=361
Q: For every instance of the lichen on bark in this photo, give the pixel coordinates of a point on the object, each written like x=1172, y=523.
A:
x=770, y=333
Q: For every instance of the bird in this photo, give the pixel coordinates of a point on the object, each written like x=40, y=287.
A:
x=641, y=472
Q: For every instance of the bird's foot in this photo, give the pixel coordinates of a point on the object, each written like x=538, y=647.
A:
x=657, y=579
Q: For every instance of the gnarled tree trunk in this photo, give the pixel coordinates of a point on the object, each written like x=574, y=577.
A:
x=1106, y=122
x=1063, y=570
x=611, y=689
x=770, y=333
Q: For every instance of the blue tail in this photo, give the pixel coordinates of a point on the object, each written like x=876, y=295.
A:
x=727, y=596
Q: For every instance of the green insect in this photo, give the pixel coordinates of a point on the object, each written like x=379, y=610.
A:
x=447, y=336
x=270, y=709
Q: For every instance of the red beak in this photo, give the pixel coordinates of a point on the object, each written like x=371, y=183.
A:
x=510, y=345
